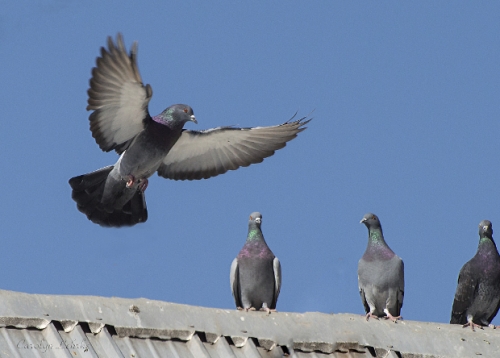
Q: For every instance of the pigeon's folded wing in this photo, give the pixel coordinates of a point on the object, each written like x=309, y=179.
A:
x=277, y=280
x=464, y=295
x=117, y=97
x=401, y=292
x=361, y=284
x=234, y=281
x=205, y=154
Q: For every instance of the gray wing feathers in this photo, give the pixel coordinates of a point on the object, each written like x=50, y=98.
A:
x=205, y=154
x=401, y=291
x=396, y=288
x=234, y=282
x=117, y=96
x=277, y=280
x=362, y=295
x=464, y=295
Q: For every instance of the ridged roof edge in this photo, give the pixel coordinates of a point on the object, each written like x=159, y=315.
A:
x=310, y=331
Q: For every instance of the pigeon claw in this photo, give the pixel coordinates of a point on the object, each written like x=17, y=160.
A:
x=472, y=326
x=388, y=315
x=130, y=181
x=392, y=318
x=268, y=310
x=143, y=184
x=370, y=315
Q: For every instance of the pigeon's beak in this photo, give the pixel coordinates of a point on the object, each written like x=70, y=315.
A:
x=362, y=221
x=193, y=119
x=258, y=220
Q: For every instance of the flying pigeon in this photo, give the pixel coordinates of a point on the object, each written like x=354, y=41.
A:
x=477, y=298
x=120, y=121
x=380, y=275
x=255, y=275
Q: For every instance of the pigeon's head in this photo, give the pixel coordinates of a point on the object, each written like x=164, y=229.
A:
x=255, y=219
x=485, y=229
x=176, y=116
x=371, y=221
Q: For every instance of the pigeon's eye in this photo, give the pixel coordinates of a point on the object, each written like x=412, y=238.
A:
x=185, y=110
x=374, y=217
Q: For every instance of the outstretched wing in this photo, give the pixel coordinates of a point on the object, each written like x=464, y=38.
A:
x=205, y=154
x=117, y=97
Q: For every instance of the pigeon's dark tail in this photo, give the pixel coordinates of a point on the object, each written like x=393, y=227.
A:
x=87, y=193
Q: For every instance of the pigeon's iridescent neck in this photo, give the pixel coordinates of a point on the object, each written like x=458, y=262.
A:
x=377, y=247
x=256, y=249
x=254, y=234
x=487, y=247
x=162, y=120
x=376, y=236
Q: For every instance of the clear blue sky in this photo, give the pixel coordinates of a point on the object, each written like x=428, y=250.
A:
x=406, y=105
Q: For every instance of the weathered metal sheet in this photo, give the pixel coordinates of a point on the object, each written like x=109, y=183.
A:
x=86, y=326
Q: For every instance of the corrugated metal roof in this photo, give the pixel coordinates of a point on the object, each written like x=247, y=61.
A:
x=86, y=326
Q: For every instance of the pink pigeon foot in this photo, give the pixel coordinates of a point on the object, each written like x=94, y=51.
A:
x=370, y=315
x=472, y=326
x=392, y=318
x=130, y=181
x=268, y=310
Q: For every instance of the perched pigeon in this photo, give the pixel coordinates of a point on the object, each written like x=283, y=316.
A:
x=114, y=195
x=477, y=298
x=255, y=275
x=380, y=275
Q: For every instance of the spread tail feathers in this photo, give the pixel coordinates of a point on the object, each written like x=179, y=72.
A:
x=87, y=193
